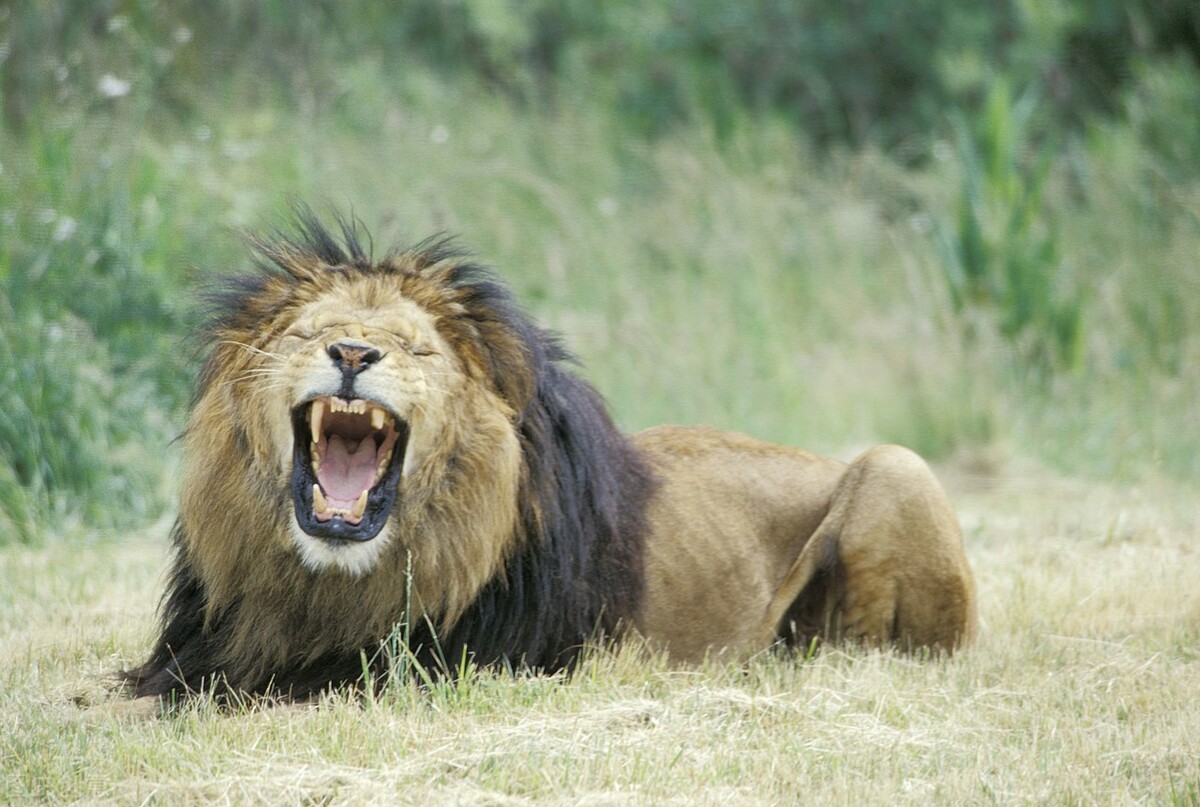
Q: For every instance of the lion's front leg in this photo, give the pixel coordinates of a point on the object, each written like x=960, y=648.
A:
x=885, y=567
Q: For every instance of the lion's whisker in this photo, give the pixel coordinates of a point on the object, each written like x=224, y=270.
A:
x=252, y=349
x=267, y=374
x=269, y=387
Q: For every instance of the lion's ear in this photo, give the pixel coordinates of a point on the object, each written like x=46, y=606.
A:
x=496, y=356
x=511, y=365
x=493, y=334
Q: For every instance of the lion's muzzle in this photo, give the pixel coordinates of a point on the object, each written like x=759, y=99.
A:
x=346, y=467
x=350, y=360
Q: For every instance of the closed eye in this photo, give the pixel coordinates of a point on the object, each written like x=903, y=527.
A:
x=295, y=332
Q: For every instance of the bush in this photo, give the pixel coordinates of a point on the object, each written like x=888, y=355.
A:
x=858, y=72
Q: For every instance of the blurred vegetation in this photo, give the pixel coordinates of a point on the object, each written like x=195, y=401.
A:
x=1001, y=254
x=950, y=226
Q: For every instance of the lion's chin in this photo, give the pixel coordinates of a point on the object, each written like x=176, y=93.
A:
x=352, y=558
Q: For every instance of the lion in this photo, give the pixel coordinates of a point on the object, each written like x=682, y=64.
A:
x=392, y=451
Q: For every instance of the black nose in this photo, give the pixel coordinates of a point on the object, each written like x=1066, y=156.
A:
x=353, y=359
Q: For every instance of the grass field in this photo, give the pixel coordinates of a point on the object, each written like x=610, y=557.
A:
x=1084, y=688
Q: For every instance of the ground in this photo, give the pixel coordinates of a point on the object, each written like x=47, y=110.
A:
x=1084, y=687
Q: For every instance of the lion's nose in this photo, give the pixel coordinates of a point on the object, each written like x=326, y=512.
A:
x=353, y=359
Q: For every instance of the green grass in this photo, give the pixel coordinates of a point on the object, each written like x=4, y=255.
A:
x=1084, y=687
x=1035, y=296
x=741, y=282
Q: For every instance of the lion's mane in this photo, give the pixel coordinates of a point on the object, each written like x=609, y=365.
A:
x=243, y=614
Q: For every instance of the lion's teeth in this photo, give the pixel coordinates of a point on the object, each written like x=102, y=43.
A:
x=318, y=414
x=355, y=407
x=320, y=505
x=360, y=505
x=377, y=419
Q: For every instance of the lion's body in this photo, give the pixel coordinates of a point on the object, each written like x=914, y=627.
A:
x=394, y=451
x=741, y=530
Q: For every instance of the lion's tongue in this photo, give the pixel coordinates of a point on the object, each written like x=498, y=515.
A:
x=347, y=469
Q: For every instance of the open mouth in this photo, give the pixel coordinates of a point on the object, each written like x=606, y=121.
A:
x=346, y=467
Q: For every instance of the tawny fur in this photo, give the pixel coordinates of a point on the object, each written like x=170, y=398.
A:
x=741, y=528
x=705, y=542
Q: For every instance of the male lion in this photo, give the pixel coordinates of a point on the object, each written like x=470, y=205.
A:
x=393, y=449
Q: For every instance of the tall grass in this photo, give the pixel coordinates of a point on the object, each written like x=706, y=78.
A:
x=1002, y=254
x=91, y=357
x=1023, y=292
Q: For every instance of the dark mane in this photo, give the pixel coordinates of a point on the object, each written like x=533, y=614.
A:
x=582, y=508
x=583, y=499
x=578, y=576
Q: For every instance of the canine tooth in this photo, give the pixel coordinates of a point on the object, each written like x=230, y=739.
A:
x=377, y=419
x=318, y=414
x=383, y=463
x=320, y=505
x=360, y=505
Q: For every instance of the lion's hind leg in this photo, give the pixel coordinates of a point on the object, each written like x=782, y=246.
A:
x=886, y=566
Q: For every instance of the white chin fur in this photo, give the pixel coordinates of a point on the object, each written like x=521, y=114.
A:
x=352, y=558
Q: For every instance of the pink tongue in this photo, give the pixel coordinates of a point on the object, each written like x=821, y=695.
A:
x=346, y=470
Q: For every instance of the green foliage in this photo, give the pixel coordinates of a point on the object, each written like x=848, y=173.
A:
x=857, y=73
x=725, y=206
x=1002, y=253
x=76, y=440
x=90, y=366
x=86, y=365
x=82, y=245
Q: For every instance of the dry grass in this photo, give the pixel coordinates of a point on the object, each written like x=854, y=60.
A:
x=1084, y=688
